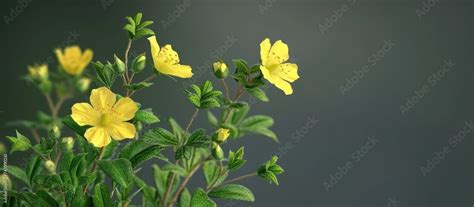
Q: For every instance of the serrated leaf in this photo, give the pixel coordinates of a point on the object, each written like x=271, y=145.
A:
x=198, y=139
x=200, y=199
x=176, y=128
x=146, y=116
x=140, y=151
x=232, y=192
x=161, y=137
x=120, y=170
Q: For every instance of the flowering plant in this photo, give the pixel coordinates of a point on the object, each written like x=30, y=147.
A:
x=98, y=164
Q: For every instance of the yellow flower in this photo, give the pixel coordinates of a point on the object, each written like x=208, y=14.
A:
x=274, y=68
x=107, y=117
x=38, y=71
x=166, y=60
x=222, y=134
x=73, y=61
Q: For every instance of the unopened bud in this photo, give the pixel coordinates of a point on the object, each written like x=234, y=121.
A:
x=217, y=152
x=67, y=143
x=220, y=69
x=119, y=65
x=5, y=182
x=3, y=148
x=221, y=135
x=139, y=63
x=50, y=166
x=83, y=84
x=55, y=132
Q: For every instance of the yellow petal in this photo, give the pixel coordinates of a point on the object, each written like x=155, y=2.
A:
x=283, y=85
x=168, y=56
x=121, y=130
x=98, y=136
x=73, y=52
x=264, y=50
x=266, y=74
x=288, y=72
x=278, y=54
x=102, y=99
x=125, y=108
x=84, y=114
x=85, y=60
x=182, y=71
x=60, y=56
x=155, y=49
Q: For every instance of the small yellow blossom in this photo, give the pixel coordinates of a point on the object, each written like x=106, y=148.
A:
x=166, y=60
x=274, y=68
x=73, y=61
x=222, y=134
x=107, y=117
x=83, y=84
x=38, y=71
x=220, y=69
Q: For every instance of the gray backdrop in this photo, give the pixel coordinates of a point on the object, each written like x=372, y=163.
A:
x=379, y=117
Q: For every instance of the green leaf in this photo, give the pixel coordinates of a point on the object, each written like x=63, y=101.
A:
x=33, y=167
x=146, y=116
x=101, y=196
x=175, y=169
x=143, y=33
x=19, y=143
x=138, y=18
x=120, y=170
x=48, y=198
x=236, y=160
x=240, y=113
x=258, y=94
x=184, y=199
x=232, y=192
x=212, y=119
x=269, y=176
x=148, y=191
x=161, y=179
x=140, y=151
x=177, y=130
x=183, y=152
x=258, y=121
x=241, y=66
x=161, y=137
x=34, y=200
x=200, y=199
x=137, y=86
x=88, y=179
x=199, y=139
x=69, y=122
x=18, y=173
x=144, y=24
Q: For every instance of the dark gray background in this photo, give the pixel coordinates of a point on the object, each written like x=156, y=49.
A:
x=390, y=171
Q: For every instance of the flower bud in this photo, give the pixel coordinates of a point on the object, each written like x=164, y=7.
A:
x=3, y=148
x=67, y=144
x=50, y=166
x=5, y=182
x=55, y=132
x=83, y=84
x=119, y=65
x=45, y=86
x=220, y=69
x=221, y=135
x=38, y=72
x=217, y=152
x=139, y=63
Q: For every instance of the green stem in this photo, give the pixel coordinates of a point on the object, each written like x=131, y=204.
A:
x=94, y=166
x=233, y=180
